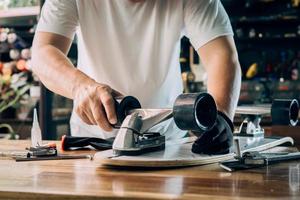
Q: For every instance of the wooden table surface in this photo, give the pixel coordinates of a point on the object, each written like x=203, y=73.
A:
x=85, y=179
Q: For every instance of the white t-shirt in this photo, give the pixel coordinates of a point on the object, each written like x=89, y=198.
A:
x=134, y=47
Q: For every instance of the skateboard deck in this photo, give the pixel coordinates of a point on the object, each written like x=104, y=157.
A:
x=178, y=153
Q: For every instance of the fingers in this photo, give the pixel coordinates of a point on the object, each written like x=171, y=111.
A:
x=96, y=106
x=109, y=107
x=84, y=116
x=89, y=115
x=116, y=93
x=100, y=117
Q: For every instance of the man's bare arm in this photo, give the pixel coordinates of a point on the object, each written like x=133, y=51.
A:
x=52, y=66
x=93, y=101
x=220, y=60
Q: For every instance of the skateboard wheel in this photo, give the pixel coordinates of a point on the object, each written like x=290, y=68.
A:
x=195, y=111
x=285, y=112
x=122, y=106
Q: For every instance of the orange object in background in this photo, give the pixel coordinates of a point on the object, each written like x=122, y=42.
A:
x=21, y=65
x=7, y=69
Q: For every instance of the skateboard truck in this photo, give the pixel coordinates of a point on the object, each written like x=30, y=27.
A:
x=196, y=112
x=283, y=112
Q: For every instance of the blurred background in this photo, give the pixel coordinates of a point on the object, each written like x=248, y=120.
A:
x=267, y=35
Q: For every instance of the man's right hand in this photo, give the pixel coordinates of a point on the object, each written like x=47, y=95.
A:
x=94, y=103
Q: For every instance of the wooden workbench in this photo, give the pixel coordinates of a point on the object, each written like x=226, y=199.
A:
x=85, y=179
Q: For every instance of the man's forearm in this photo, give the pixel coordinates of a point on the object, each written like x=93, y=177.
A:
x=56, y=72
x=220, y=60
x=224, y=85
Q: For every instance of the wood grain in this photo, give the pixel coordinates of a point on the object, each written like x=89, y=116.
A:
x=85, y=179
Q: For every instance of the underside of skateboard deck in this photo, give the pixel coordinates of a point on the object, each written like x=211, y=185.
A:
x=178, y=153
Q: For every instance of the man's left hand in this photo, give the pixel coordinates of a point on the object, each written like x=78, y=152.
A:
x=217, y=140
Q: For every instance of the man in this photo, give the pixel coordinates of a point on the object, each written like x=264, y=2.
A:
x=131, y=47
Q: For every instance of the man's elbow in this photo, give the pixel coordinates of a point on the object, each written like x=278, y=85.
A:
x=234, y=64
x=237, y=67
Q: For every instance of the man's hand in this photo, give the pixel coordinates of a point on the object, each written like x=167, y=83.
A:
x=95, y=105
x=218, y=140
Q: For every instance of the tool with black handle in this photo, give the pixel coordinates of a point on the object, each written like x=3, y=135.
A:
x=71, y=142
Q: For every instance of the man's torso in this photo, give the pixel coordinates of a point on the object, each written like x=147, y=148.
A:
x=132, y=47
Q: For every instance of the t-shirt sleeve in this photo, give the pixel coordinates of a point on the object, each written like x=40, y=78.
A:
x=60, y=17
x=205, y=20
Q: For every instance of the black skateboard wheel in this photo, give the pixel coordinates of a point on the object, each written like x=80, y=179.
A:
x=285, y=112
x=195, y=111
x=122, y=106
